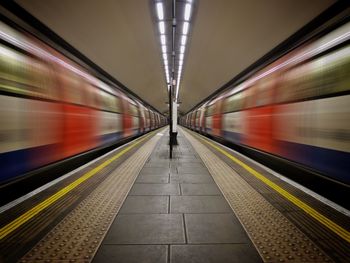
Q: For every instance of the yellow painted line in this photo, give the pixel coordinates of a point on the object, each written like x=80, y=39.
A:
x=10, y=227
x=340, y=231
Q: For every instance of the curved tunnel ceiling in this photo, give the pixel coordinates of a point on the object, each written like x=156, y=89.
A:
x=226, y=37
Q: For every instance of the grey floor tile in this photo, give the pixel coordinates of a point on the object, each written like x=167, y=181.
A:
x=146, y=229
x=190, y=160
x=226, y=253
x=200, y=189
x=155, y=159
x=157, y=164
x=157, y=179
x=214, y=228
x=191, y=178
x=192, y=170
x=199, y=204
x=145, y=204
x=155, y=170
x=192, y=165
x=131, y=254
x=155, y=189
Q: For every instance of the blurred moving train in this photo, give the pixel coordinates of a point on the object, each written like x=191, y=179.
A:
x=51, y=108
x=297, y=108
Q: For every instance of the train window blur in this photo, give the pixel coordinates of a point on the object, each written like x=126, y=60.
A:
x=133, y=110
x=147, y=115
x=41, y=80
x=110, y=102
x=264, y=94
x=326, y=75
x=210, y=110
x=248, y=97
x=25, y=75
x=13, y=71
x=196, y=115
x=334, y=69
x=95, y=97
x=295, y=85
x=73, y=88
x=233, y=103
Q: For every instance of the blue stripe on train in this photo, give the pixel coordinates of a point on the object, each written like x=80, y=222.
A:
x=111, y=137
x=332, y=163
x=13, y=164
x=17, y=163
x=208, y=130
x=234, y=137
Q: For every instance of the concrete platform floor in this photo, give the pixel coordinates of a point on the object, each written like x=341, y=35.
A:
x=176, y=213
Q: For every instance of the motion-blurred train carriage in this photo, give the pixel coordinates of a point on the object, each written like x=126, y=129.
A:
x=297, y=108
x=52, y=109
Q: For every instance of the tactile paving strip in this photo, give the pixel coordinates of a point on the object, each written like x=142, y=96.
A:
x=77, y=237
x=275, y=237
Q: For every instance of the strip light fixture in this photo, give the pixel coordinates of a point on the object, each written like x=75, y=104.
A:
x=163, y=40
x=183, y=40
x=182, y=30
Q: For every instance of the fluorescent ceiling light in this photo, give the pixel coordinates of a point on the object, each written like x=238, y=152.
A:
x=162, y=39
x=181, y=56
x=161, y=27
x=185, y=28
x=164, y=48
x=187, y=12
x=182, y=49
x=183, y=40
x=165, y=57
x=160, y=12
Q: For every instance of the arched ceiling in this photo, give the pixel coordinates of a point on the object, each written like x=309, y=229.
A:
x=226, y=37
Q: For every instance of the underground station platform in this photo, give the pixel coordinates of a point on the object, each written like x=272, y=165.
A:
x=206, y=204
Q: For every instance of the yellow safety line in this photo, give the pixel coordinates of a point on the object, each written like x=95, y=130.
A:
x=7, y=229
x=340, y=231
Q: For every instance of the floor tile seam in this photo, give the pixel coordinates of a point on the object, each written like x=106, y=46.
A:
x=149, y=195
x=198, y=183
x=184, y=228
x=177, y=244
x=168, y=254
x=168, y=204
x=146, y=213
x=202, y=213
x=200, y=195
x=147, y=183
x=214, y=244
x=122, y=245
x=208, y=213
x=208, y=157
x=153, y=195
x=221, y=195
